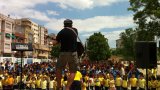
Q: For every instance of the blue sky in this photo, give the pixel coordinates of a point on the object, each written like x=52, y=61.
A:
x=110, y=17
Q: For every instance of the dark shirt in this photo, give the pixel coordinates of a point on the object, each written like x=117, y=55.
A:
x=68, y=40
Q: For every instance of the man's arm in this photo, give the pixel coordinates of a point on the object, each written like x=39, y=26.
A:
x=57, y=39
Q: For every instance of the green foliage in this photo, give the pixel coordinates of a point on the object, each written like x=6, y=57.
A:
x=146, y=16
x=55, y=51
x=98, y=48
x=128, y=38
x=117, y=52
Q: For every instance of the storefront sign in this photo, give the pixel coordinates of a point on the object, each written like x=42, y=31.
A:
x=22, y=47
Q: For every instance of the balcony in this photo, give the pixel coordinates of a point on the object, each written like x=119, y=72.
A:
x=44, y=47
x=43, y=55
x=26, y=23
x=36, y=46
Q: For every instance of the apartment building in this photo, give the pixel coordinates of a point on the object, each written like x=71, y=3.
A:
x=41, y=34
x=43, y=47
x=119, y=43
x=23, y=30
x=35, y=30
x=7, y=26
x=23, y=34
x=6, y=32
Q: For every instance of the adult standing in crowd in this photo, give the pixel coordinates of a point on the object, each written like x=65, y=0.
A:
x=67, y=38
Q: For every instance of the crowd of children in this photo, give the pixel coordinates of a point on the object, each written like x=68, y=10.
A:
x=95, y=76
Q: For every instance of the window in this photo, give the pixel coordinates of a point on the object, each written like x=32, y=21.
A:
x=8, y=25
x=7, y=46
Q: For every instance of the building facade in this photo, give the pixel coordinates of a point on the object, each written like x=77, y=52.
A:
x=44, y=47
x=23, y=31
x=35, y=30
x=24, y=34
x=119, y=43
x=41, y=34
x=7, y=26
x=6, y=29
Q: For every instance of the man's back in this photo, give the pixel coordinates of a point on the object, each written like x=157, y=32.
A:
x=68, y=40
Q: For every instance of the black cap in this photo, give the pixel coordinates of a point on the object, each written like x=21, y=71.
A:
x=68, y=21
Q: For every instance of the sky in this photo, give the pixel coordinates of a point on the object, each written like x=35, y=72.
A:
x=110, y=17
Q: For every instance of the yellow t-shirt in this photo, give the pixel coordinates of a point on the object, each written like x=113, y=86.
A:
x=86, y=78
x=124, y=83
x=62, y=80
x=158, y=85
x=133, y=82
x=112, y=83
x=106, y=82
x=155, y=72
x=38, y=83
x=101, y=80
x=64, y=83
x=118, y=81
x=1, y=86
x=44, y=84
x=84, y=86
x=33, y=84
x=149, y=84
x=142, y=83
x=97, y=82
x=78, y=76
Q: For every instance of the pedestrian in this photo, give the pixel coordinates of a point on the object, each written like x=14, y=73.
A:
x=33, y=83
x=133, y=82
x=118, y=82
x=51, y=83
x=91, y=81
x=125, y=83
x=67, y=38
x=141, y=82
x=154, y=83
x=112, y=83
x=97, y=82
x=38, y=83
x=106, y=82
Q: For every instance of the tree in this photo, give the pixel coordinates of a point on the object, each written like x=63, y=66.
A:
x=98, y=48
x=55, y=51
x=128, y=38
x=147, y=17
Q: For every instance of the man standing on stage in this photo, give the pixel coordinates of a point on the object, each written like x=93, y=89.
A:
x=67, y=38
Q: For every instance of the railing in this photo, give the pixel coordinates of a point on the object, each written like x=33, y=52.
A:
x=43, y=55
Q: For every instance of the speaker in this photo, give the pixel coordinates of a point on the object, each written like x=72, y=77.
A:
x=146, y=54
